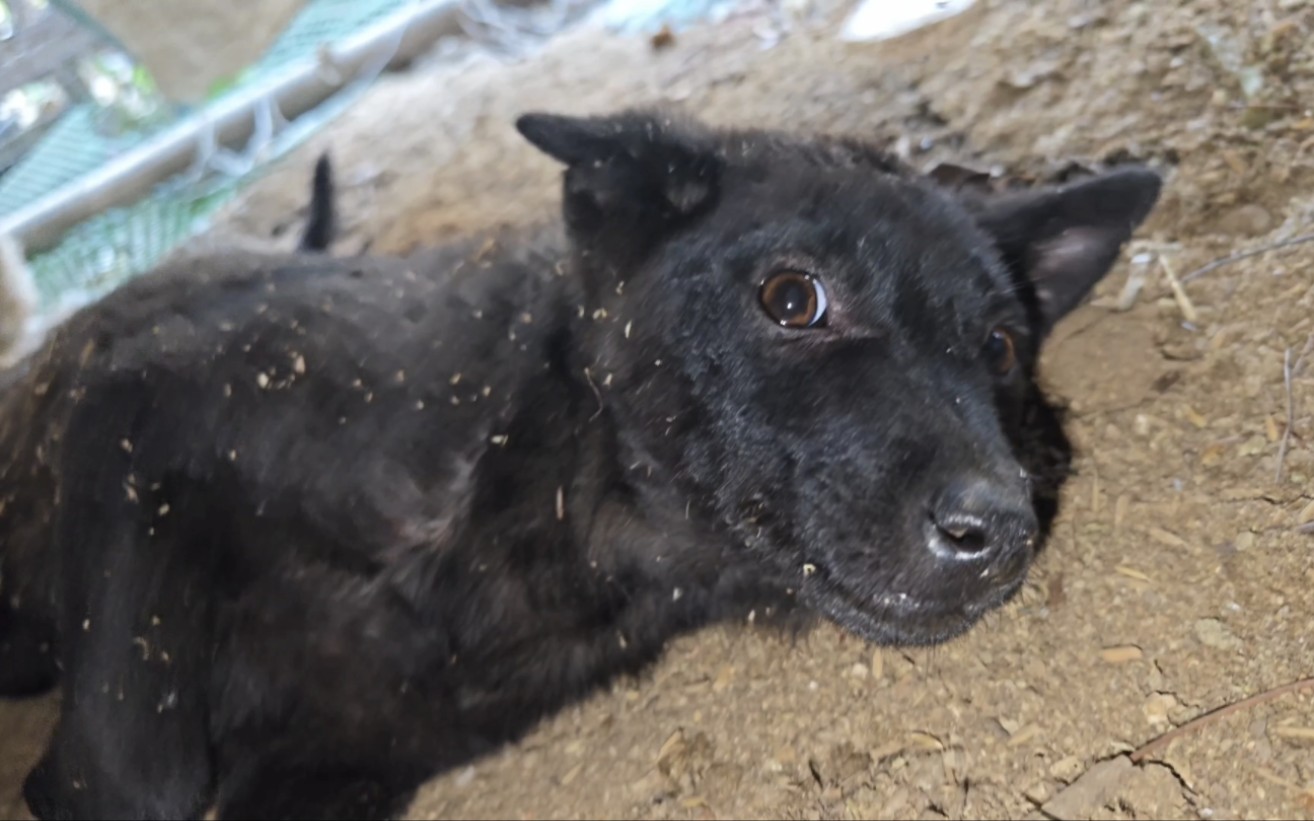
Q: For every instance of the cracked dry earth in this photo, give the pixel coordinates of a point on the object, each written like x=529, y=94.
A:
x=1177, y=580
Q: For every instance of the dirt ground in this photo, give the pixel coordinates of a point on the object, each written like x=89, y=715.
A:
x=1178, y=579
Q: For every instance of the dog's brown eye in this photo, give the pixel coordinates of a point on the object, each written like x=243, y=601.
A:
x=794, y=299
x=1000, y=350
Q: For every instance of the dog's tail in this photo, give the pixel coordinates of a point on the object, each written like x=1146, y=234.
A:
x=321, y=225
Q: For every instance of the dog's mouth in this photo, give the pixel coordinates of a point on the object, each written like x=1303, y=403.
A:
x=901, y=618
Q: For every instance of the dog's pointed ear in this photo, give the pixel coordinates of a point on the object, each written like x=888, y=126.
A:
x=629, y=170
x=1064, y=240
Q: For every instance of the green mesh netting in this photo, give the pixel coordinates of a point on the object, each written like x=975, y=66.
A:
x=104, y=251
x=108, y=249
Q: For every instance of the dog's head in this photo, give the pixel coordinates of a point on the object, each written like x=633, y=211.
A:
x=830, y=359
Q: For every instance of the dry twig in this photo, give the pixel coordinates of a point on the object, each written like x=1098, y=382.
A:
x=1253, y=252
x=1288, y=371
x=1217, y=715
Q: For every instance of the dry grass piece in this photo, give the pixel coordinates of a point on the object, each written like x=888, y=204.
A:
x=597, y=394
x=1298, y=733
x=1184, y=303
x=1122, y=654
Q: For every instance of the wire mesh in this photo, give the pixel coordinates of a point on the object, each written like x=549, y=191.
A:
x=106, y=250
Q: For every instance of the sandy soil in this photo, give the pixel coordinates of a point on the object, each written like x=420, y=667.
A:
x=1177, y=580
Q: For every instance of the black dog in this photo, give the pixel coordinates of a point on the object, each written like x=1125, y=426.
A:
x=297, y=533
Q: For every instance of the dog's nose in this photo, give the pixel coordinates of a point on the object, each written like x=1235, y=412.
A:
x=980, y=521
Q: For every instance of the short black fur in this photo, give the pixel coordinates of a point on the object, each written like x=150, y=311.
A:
x=296, y=533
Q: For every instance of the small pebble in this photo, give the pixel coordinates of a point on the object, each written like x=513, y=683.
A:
x=1213, y=633
x=1066, y=769
x=1249, y=220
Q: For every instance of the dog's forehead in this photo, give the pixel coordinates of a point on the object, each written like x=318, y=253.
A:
x=829, y=176
x=858, y=203
x=817, y=151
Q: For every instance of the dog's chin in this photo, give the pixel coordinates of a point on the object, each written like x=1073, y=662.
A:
x=903, y=620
